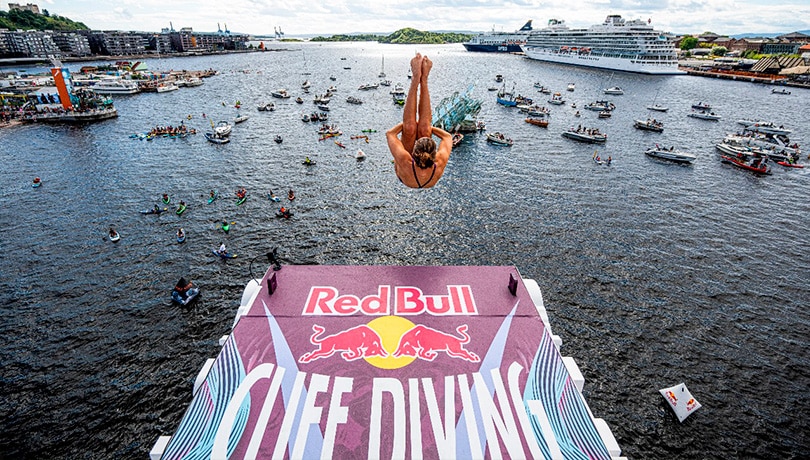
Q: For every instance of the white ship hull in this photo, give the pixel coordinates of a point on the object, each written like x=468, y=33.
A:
x=602, y=62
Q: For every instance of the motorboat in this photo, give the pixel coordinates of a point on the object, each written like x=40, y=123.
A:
x=269, y=107
x=116, y=87
x=240, y=119
x=757, y=165
x=570, y=87
x=711, y=116
x=671, y=154
x=166, y=87
x=353, y=100
x=614, y=90
x=649, y=124
x=589, y=135
x=657, y=108
x=280, y=93
x=457, y=138
x=537, y=122
x=360, y=155
x=193, y=81
x=556, y=99
x=604, y=114
x=223, y=128
x=216, y=138
x=765, y=127
x=368, y=86
x=600, y=106
x=499, y=139
x=701, y=106
x=780, y=91
x=306, y=84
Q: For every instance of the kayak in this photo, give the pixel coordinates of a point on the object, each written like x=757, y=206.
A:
x=241, y=200
x=181, y=238
x=225, y=227
x=790, y=165
x=212, y=198
x=369, y=130
x=181, y=209
x=227, y=255
x=308, y=163
x=273, y=197
x=152, y=211
x=115, y=238
x=285, y=215
x=36, y=184
x=166, y=200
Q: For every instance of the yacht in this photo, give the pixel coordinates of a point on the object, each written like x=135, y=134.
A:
x=616, y=44
x=116, y=87
x=508, y=42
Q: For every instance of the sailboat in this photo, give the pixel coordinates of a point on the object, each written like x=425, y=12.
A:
x=657, y=107
x=382, y=70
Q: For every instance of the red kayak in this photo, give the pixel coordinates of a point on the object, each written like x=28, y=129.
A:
x=741, y=164
x=790, y=165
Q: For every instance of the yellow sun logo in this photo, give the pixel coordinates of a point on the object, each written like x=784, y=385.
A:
x=390, y=329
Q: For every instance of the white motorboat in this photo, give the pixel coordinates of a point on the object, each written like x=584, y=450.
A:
x=615, y=90
x=223, y=128
x=765, y=127
x=368, y=86
x=570, y=87
x=194, y=81
x=240, y=119
x=585, y=135
x=166, y=87
x=649, y=124
x=116, y=87
x=657, y=108
x=280, y=93
x=671, y=154
x=711, y=116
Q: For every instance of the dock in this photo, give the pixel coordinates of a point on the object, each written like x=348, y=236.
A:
x=390, y=362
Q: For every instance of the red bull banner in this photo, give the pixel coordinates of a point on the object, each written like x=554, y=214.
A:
x=388, y=362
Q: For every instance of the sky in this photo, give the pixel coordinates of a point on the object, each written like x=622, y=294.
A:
x=329, y=17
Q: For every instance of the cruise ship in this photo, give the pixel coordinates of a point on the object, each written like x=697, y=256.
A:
x=616, y=44
x=505, y=42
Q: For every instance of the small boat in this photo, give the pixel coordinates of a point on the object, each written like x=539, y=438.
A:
x=657, y=108
x=499, y=139
x=269, y=107
x=780, y=91
x=213, y=197
x=764, y=127
x=240, y=119
x=757, y=165
x=614, y=90
x=671, y=154
x=223, y=128
x=353, y=100
x=280, y=93
x=787, y=164
x=600, y=106
x=37, y=182
x=711, y=116
x=241, y=199
x=340, y=144
x=537, y=122
x=604, y=114
x=166, y=87
x=457, y=138
x=181, y=236
x=585, y=135
x=181, y=208
x=272, y=197
x=278, y=139
x=492, y=88
x=499, y=78
x=701, y=106
x=166, y=199
x=368, y=86
x=306, y=84
x=360, y=155
x=224, y=255
x=368, y=130
x=114, y=236
x=308, y=162
x=649, y=125
x=332, y=77
x=284, y=213
x=570, y=87
x=298, y=100
x=556, y=99
x=216, y=138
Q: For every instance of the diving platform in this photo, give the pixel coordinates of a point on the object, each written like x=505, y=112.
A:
x=390, y=362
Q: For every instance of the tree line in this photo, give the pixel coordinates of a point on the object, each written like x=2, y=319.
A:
x=27, y=20
x=404, y=36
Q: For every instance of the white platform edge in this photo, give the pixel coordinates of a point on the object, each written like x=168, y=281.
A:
x=159, y=447
x=252, y=290
x=573, y=370
x=202, y=375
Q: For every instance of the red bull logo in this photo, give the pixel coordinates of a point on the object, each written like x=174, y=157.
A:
x=424, y=342
x=401, y=300
x=390, y=342
x=672, y=398
x=355, y=343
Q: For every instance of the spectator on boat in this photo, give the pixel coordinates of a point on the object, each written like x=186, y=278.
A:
x=418, y=161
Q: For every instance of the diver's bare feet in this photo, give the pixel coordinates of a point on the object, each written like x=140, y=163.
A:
x=427, y=64
x=416, y=67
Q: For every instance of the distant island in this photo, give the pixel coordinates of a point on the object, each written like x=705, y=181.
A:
x=406, y=36
x=27, y=20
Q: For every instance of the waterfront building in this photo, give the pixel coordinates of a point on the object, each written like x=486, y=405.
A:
x=31, y=43
x=116, y=43
x=72, y=44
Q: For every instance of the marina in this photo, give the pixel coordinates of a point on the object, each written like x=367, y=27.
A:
x=638, y=275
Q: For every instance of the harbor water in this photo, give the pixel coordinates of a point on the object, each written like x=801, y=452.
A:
x=653, y=273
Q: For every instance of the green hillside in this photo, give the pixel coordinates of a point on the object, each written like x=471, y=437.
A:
x=407, y=36
x=26, y=20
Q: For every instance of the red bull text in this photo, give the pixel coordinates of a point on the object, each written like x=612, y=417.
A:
x=407, y=300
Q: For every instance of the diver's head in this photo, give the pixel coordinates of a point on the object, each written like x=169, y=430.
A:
x=424, y=152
